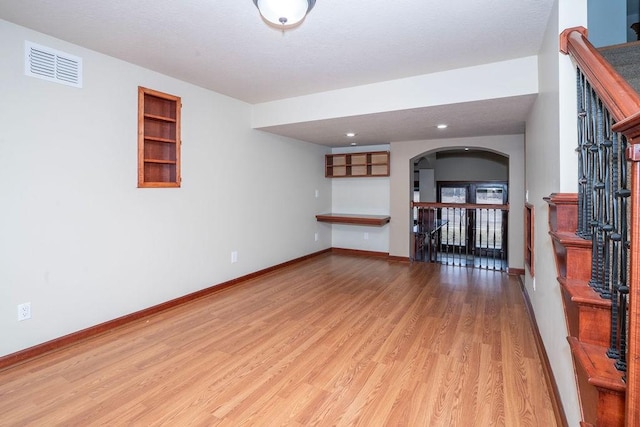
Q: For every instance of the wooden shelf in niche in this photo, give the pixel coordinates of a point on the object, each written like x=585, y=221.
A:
x=158, y=139
x=373, y=163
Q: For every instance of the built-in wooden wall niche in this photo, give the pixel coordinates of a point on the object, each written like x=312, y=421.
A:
x=528, y=237
x=158, y=139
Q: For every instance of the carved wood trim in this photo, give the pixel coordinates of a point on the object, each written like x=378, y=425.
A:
x=563, y=211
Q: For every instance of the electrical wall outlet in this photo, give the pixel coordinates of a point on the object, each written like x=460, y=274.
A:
x=24, y=311
x=315, y=237
x=317, y=194
x=366, y=236
x=234, y=256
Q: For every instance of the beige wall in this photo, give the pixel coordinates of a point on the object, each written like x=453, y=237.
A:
x=77, y=238
x=551, y=166
x=511, y=146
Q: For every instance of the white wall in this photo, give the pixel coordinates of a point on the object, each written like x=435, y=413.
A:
x=402, y=187
x=368, y=196
x=551, y=166
x=77, y=238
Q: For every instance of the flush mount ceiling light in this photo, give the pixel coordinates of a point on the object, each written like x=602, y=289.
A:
x=350, y=134
x=442, y=126
x=284, y=13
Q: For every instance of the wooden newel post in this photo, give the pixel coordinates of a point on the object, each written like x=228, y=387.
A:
x=633, y=361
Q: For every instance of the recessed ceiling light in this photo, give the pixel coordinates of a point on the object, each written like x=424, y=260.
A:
x=350, y=134
x=466, y=148
x=354, y=143
x=442, y=126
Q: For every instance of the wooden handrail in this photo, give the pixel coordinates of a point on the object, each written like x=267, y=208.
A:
x=618, y=96
x=458, y=205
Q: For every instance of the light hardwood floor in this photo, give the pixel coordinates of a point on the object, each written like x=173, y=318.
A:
x=333, y=341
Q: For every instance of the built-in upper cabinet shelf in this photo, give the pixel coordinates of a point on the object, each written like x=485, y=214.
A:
x=350, y=165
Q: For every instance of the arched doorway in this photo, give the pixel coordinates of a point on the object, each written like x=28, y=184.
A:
x=401, y=190
x=460, y=210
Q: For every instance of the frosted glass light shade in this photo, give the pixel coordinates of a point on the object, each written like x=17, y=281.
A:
x=284, y=13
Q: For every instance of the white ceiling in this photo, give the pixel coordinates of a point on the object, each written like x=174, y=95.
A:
x=223, y=45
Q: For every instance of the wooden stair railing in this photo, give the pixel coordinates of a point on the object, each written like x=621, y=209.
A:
x=462, y=234
x=623, y=104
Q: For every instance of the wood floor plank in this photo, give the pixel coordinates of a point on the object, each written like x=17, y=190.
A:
x=334, y=340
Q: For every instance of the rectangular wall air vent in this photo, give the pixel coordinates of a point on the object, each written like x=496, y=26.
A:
x=52, y=65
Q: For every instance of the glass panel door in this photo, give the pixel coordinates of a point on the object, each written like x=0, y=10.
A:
x=473, y=235
x=454, y=231
x=488, y=222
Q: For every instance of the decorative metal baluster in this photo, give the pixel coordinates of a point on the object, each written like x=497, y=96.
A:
x=616, y=239
x=464, y=225
x=493, y=238
x=623, y=289
x=583, y=156
x=489, y=246
x=588, y=133
x=598, y=280
x=448, y=235
x=608, y=172
x=448, y=242
x=468, y=229
x=613, y=351
x=482, y=245
x=451, y=234
x=503, y=241
x=589, y=197
x=478, y=243
x=591, y=164
x=486, y=227
x=437, y=213
x=485, y=248
x=461, y=236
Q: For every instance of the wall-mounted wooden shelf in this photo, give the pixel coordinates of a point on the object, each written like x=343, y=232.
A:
x=351, y=165
x=354, y=219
